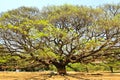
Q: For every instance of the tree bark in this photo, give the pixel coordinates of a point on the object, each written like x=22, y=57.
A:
x=60, y=66
x=61, y=69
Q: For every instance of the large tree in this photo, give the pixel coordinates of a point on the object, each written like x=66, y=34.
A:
x=60, y=35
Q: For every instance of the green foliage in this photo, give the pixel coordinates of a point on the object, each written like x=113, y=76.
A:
x=76, y=67
x=52, y=68
x=35, y=34
x=45, y=54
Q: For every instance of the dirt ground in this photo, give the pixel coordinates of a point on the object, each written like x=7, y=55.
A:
x=51, y=76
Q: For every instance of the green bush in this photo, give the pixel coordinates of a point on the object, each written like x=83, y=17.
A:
x=76, y=67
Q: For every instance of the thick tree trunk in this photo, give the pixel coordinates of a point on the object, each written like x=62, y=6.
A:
x=61, y=69
x=60, y=66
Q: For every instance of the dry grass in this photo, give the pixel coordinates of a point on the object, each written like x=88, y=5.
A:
x=47, y=76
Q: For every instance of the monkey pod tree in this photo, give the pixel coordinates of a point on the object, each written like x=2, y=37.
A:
x=59, y=35
x=80, y=34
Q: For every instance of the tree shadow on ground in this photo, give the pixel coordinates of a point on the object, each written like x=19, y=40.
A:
x=53, y=76
x=78, y=76
x=41, y=77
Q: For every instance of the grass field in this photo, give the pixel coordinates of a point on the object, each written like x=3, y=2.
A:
x=48, y=76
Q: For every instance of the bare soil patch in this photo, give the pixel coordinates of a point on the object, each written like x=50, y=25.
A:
x=48, y=76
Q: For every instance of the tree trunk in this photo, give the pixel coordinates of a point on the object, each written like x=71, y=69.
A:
x=86, y=68
x=111, y=69
x=61, y=69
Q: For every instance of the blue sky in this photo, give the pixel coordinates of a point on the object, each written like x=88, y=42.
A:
x=13, y=4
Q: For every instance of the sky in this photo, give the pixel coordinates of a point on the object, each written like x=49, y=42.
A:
x=6, y=5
